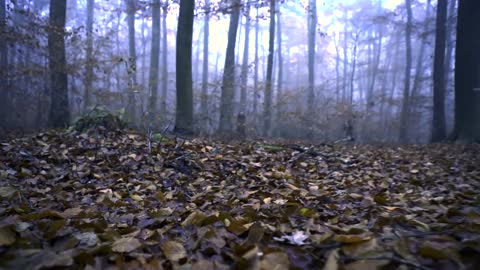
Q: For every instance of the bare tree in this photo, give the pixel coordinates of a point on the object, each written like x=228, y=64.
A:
x=89, y=57
x=154, y=61
x=226, y=102
x=467, y=68
x=439, y=131
x=184, y=112
x=403, y=135
x=59, y=109
x=164, y=60
x=268, y=83
x=206, y=34
x=132, y=61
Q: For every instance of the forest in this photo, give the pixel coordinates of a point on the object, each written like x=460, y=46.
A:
x=240, y=134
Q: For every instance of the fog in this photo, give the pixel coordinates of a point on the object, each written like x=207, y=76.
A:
x=360, y=68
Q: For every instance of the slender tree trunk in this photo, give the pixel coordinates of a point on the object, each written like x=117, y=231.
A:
x=227, y=96
x=132, y=63
x=312, y=33
x=345, y=55
x=419, y=70
x=244, y=73
x=268, y=82
x=439, y=131
x=451, y=21
x=89, y=57
x=206, y=34
x=184, y=112
x=403, y=136
x=255, y=75
x=4, y=99
x=280, y=60
x=337, y=68
x=154, y=62
x=467, y=70
x=164, y=61
x=59, y=109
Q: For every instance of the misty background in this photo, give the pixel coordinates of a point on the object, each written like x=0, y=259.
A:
x=368, y=84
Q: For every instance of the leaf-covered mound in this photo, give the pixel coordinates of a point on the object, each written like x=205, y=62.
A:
x=82, y=202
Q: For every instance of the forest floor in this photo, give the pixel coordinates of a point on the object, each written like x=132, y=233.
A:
x=114, y=201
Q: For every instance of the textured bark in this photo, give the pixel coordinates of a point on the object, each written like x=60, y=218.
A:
x=405, y=112
x=226, y=100
x=89, y=57
x=184, y=111
x=312, y=32
x=255, y=75
x=164, y=60
x=467, y=72
x=268, y=83
x=132, y=63
x=206, y=36
x=439, y=131
x=4, y=100
x=59, y=115
x=154, y=62
x=280, y=60
x=244, y=73
x=451, y=22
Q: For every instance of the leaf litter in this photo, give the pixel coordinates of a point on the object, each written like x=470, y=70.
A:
x=117, y=201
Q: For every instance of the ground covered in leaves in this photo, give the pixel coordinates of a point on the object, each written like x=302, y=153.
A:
x=118, y=201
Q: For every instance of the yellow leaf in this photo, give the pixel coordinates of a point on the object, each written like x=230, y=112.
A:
x=136, y=197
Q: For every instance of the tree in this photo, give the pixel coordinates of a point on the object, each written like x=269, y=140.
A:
x=164, y=60
x=244, y=72
x=280, y=60
x=154, y=61
x=405, y=112
x=467, y=70
x=89, y=56
x=184, y=111
x=312, y=32
x=439, y=131
x=3, y=65
x=206, y=33
x=132, y=63
x=268, y=82
x=226, y=101
x=59, y=115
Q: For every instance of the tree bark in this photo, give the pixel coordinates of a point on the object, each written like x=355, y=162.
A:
x=312, y=32
x=268, y=83
x=244, y=73
x=154, y=62
x=184, y=112
x=439, y=132
x=59, y=116
x=132, y=62
x=227, y=96
x=280, y=61
x=4, y=100
x=89, y=57
x=206, y=35
x=467, y=71
x=164, y=61
x=405, y=112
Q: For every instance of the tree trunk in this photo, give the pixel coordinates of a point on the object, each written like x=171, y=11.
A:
x=59, y=116
x=439, y=132
x=451, y=21
x=132, y=63
x=467, y=70
x=312, y=32
x=164, y=61
x=184, y=112
x=255, y=75
x=403, y=136
x=227, y=96
x=154, y=62
x=280, y=60
x=206, y=34
x=268, y=82
x=4, y=100
x=89, y=57
x=244, y=73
